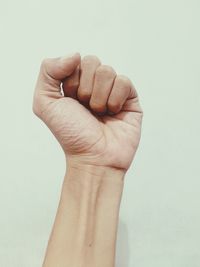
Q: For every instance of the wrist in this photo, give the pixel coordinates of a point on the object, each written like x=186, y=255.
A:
x=75, y=167
x=105, y=183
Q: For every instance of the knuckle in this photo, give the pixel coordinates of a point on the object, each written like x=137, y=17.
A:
x=90, y=59
x=97, y=107
x=45, y=62
x=83, y=95
x=124, y=80
x=105, y=70
x=70, y=84
x=114, y=106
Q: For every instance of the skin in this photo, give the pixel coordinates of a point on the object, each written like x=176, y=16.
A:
x=95, y=115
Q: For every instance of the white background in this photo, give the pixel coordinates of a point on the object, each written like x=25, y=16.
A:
x=156, y=43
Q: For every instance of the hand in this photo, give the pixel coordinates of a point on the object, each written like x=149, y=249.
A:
x=96, y=117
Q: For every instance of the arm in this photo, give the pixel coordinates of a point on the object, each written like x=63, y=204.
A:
x=84, y=232
x=96, y=118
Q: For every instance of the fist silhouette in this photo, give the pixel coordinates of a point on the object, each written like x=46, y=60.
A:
x=94, y=113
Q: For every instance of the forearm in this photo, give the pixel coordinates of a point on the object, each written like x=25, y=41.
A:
x=85, y=228
x=95, y=115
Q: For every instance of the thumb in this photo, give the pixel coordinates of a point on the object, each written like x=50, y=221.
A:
x=57, y=69
x=52, y=72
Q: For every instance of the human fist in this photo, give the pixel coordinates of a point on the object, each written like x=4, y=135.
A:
x=93, y=112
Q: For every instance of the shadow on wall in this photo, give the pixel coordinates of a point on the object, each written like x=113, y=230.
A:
x=122, y=248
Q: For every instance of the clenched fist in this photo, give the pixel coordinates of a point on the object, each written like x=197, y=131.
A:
x=93, y=112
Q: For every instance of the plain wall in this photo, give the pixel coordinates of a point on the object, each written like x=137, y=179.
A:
x=155, y=43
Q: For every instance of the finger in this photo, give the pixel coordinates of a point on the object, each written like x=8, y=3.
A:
x=129, y=110
x=103, y=82
x=70, y=84
x=54, y=70
x=120, y=92
x=132, y=103
x=88, y=67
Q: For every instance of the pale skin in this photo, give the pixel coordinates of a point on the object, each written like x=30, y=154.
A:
x=95, y=115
